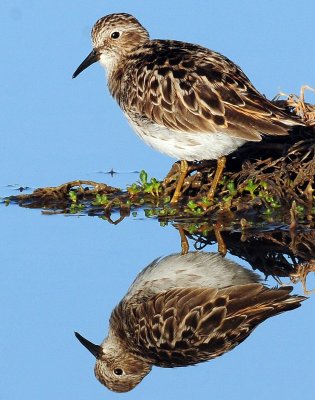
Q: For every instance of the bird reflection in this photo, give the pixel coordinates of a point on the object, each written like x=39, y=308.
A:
x=182, y=310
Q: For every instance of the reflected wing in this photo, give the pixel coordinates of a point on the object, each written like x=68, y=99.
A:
x=189, y=88
x=185, y=326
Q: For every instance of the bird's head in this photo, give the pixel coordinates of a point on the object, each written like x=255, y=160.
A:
x=116, y=367
x=113, y=37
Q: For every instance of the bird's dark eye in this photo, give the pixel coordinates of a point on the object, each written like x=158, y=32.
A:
x=115, y=35
x=118, y=371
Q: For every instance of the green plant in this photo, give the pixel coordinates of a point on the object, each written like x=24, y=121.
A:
x=193, y=208
x=232, y=191
x=152, y=187
x=134, y=189
x=100, y=200
x=251, y=187
x=73, y=196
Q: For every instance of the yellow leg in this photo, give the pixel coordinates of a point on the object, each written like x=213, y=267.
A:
x=217, y=177
x=221, y=244
x=183, y=239
x=180, y=181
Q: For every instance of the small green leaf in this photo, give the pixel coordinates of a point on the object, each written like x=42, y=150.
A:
x=167, y=199
x=192, y=205
x=73, y=196
x=143, y=177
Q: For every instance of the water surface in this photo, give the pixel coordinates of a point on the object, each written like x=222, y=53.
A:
x=62, y=274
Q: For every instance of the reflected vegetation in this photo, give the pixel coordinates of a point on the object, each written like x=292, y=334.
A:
x=181, y=310
x=277, y=252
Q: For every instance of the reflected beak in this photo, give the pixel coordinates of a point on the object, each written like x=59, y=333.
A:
x=90, y=59
x=93, y=348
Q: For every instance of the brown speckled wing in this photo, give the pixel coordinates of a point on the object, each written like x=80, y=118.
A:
x=189, y=88
x=185, y=326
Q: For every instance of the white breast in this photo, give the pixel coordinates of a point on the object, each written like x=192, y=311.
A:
x=194, y=269
x=190, y=146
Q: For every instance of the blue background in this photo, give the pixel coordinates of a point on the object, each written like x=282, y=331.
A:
x=60, y=274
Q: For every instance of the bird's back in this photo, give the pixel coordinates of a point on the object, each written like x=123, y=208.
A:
x=184, y=326
x=188, y=88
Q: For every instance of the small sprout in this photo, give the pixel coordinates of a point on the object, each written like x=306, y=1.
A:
x=193, y=228
x=100, y=200
x=231, y=188
x=193, y=209
x=275, y=204
x=172, y=211
x=156, y=185
x=149, y=212
x=223, y=180
x=153, y=187
x=143, y=177
x=167, y=199
x=133, y=189
x=232, y=191
x=264, y=185
x=192, y=205
x=73, y=196
x=251, y=187
x=227, y=199
x=205, y=202
x=199, y=211
x=300, y=209
x=76, y=208
x=268, y=211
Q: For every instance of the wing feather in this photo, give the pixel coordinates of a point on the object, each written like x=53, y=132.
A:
x=188, y=88
x=184, y=326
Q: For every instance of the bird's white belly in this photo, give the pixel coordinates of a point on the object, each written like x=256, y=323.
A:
x=190, y=146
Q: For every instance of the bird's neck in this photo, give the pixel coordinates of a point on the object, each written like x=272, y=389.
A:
x=117, y=331
x=114, y=81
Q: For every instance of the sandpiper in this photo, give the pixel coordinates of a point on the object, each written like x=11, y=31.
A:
x=182, y=99
x=182, y=310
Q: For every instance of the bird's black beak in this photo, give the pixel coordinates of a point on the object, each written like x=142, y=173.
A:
x=93, y=348
x=90, y=59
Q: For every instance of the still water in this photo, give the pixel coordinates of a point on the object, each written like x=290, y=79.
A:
x=61, y=274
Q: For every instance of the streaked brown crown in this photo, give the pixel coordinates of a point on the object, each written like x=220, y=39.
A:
x=132, y=33
x=131, y=368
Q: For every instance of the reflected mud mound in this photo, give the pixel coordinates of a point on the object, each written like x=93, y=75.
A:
x=277, y=252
